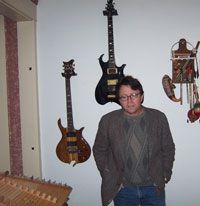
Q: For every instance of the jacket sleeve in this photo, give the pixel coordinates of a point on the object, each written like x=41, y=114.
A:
x=168, y=148
x=101, y=146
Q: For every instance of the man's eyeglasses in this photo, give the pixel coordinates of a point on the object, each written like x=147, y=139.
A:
x=132, y=97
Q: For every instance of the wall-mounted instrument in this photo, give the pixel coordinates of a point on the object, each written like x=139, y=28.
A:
x=112, y=74
x=23, y=191
x=184, y=72
x=72, y=146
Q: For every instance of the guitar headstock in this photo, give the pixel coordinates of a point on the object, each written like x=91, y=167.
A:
x=110, y=10
x=68, y=69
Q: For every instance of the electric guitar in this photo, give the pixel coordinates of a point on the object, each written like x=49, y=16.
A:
x=72, y=146
x=106, y=88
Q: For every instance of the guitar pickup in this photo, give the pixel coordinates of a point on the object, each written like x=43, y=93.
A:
x=71, y=139
x=112, y=82
x=112, y=71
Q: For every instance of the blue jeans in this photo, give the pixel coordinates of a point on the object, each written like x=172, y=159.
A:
x=139, y=196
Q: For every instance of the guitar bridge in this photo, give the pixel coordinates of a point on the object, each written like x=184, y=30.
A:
x=111, y=96
x=112, y=71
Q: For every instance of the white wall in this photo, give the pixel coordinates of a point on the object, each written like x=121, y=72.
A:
x=144, y=33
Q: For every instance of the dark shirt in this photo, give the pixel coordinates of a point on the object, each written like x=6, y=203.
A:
x=137, y=158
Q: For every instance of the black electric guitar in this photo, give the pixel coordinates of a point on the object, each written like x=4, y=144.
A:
x=106, y=87
x=72, y=146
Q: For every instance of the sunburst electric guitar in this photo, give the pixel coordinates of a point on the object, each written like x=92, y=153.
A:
x=72, y=146
x=106, y=88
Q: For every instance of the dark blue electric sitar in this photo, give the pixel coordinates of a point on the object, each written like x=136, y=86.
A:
x=106, y=88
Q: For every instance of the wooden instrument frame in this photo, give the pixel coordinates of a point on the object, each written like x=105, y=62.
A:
x=183, y=64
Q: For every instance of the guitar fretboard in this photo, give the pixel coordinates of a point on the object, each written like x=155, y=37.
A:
x=70, y=124
x=111, y=43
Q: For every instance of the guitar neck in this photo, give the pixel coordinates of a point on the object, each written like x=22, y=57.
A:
x=70, y=124
x=111, y=52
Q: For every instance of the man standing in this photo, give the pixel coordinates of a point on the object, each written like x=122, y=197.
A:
x=134, y=150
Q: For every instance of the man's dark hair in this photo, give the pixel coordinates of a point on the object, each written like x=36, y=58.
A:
x=129, y=81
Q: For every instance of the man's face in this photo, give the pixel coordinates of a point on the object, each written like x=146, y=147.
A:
x=130, y=100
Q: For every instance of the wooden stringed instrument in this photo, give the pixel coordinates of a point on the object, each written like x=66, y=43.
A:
x=25, y=191
x=72, y=146
x=112, y=74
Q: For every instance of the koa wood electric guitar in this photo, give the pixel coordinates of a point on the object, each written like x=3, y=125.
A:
x=112, y=74
x=72, y=146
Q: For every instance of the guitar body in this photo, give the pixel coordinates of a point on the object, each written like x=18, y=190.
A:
x=72, y=146
x=106, y=88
